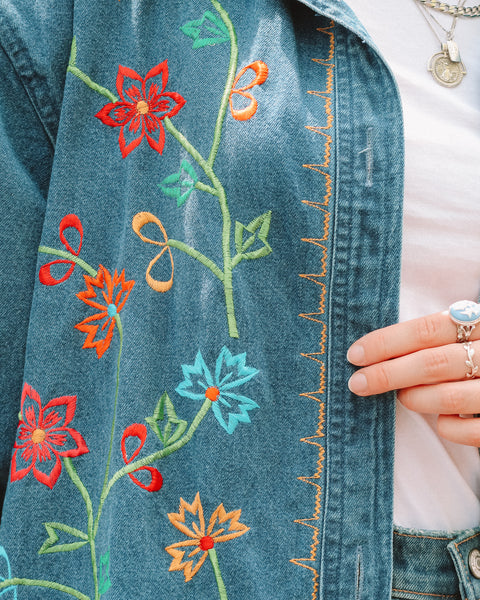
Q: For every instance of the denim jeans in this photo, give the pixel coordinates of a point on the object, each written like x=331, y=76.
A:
x=436, y=564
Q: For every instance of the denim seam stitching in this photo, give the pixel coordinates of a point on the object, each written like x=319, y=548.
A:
x=28, y=92
x=426, y=594
x=423, y=537
x=314, y=440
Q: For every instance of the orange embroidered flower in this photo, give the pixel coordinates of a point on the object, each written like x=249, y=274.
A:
x=222, y=527
x=140, y=112
x=107, y=295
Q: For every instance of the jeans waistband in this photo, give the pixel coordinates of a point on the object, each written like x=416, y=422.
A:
x=436, y=565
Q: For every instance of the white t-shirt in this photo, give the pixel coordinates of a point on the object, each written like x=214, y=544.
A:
x=437, y=483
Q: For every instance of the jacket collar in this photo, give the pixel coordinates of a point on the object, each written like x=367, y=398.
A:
x=341, y=13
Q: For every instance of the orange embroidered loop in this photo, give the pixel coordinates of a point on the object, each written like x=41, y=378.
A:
x=140, y=220
x=261, y=73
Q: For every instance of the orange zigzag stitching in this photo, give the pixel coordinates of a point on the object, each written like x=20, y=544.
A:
x=314, y=440
x=328, y=111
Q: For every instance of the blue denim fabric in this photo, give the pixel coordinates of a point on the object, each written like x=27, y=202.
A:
x=308, y=465
x=435, y=563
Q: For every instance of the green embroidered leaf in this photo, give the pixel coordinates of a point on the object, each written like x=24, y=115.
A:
x=104, y=584
x=50, y=545
x=173, y=427
x=246, y=236
x=180, y=185
x=209, y=30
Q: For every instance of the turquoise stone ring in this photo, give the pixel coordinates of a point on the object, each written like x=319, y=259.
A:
x=465, y=314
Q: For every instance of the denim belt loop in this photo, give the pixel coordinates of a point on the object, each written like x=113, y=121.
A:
x=465, y=553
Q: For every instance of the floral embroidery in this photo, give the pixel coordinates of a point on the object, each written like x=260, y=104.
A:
x=45, y=275
x=139, y=112
x=144, y=109
x=138, y=108
x=261, y=73
x=180, y=185
x=140, y=431
x=107, y=295
x=43, y=437
x=222, y=527
x=209, y=30
x=108, y=300
x=230, y=372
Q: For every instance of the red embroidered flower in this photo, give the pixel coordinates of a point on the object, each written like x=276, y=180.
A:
x=108, y=299
x=140, y=113
x=43, y=437
x=139, y=431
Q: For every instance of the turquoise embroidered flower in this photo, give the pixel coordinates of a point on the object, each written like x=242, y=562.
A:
x=10, y=588
x=231, y=372
x=180, y=185
x=209, y=30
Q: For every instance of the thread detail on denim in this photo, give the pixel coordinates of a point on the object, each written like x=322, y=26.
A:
x=368, y=151
x=309, y=561
x=144, y=110
x=261, y=73
x=190, y=554
x=425, y=594
x=322, y=130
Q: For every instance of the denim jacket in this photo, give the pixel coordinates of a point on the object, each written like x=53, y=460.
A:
x=201, y=211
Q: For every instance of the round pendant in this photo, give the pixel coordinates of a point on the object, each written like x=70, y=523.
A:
x=445, y=71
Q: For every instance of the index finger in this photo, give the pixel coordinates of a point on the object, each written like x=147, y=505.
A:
x=396, y=340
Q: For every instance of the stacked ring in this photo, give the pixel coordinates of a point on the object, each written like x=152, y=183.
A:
x=465, y=314
x=472, y=368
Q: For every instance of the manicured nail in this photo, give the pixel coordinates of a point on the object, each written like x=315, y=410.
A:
x=357, y=383
x=356, y=354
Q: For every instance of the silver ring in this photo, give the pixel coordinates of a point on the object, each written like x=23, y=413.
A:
x=465, y=314
x=472, y=368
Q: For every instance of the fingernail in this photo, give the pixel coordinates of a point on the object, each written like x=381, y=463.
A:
x=356, y=354
x=357, y=383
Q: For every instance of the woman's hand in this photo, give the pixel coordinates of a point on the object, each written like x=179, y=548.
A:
x=422, y=360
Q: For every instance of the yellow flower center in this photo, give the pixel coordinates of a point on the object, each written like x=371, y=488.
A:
x=142, y=107
x=38, y=436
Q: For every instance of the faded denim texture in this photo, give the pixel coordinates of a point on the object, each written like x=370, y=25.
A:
x=311, y=467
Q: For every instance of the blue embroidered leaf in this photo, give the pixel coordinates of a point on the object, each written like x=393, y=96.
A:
x=197, y=379
x=180, y=185
x=50, y=545
x=165, y=413
x=232, y=409
x=231, y=370
x=209, y=30
x=12, y=588
x=246, y=236
x=104, y=582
